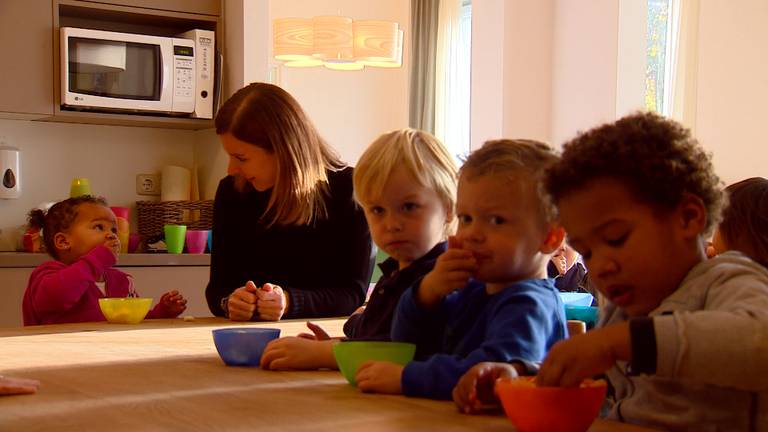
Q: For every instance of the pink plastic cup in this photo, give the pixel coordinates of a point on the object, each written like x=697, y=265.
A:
x=122, y=212
x=133, y=242
x=196, y=240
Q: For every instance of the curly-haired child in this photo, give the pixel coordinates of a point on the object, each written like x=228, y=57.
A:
x=81, y=235
x=683, y=340
x=745, y=221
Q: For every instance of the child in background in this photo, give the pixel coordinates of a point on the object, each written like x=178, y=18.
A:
x=745, y=221
x=81, y=235
x=566, y=268
x=488, y=297
x=406, y=184
x=684, y=340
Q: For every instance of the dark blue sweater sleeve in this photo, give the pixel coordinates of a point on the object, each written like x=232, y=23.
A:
x=415, y=324
x=521, y=327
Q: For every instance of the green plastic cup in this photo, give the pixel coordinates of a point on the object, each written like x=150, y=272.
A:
x=174, y=237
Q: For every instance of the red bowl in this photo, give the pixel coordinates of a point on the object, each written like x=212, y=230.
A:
x=540, y=409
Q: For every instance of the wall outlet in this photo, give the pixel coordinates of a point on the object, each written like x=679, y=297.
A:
x=147, y=184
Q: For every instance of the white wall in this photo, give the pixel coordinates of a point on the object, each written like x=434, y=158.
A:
x=527, y=91
x=584, y=66
x=52, y=154
x=512, y=42
x=732, y=92
x=349, y=108
x=487, y=75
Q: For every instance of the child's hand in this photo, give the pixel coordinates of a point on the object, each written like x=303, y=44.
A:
x=272, y=302
x=584, y=356
x=242, y=302
x=113, y=245
x=475, y=389
x=13, y=386
x=295, y=353
x=173, y=302
x=380, y=377
x=317, y=333
x=452, y=271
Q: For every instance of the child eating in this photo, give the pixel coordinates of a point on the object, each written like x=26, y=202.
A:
x=683, y=340
x=81, y=235
x=488, y=297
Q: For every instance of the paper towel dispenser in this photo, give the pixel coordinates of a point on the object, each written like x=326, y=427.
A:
x=10, y=187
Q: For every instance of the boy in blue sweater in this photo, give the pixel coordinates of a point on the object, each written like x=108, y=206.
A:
x=488, y=297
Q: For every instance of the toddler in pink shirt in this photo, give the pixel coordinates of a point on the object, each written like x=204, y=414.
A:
x=81, y=235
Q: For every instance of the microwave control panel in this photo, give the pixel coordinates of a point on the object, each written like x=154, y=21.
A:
x=184, y=68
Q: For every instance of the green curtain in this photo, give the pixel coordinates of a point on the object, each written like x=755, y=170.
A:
x=424, y=22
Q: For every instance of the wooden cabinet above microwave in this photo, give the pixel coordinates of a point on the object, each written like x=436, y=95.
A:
x=29, y=35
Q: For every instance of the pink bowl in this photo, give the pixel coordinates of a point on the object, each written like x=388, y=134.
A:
x=196, y=240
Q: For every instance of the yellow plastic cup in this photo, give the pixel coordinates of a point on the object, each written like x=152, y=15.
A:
x=79, y=187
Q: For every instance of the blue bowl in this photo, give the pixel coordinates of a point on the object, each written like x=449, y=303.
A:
x=576, y=298
x=242, y=346
x=588, y=314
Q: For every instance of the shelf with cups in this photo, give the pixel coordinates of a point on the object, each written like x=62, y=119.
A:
x=32, y=260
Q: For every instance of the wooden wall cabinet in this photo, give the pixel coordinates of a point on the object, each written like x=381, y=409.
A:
x=26, y=50
x=29, y=29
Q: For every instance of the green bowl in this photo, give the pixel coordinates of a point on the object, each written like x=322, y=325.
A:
x=351, y=354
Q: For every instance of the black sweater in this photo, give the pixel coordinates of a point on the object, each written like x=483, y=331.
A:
x=325, y=266
x=375, y=323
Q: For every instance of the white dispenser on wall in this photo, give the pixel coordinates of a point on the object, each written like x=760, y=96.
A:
x=10, y=180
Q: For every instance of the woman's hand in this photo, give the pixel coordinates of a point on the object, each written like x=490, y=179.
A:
x=173, y=302
x=242, y=302
x=272, y=302
x=380, y=377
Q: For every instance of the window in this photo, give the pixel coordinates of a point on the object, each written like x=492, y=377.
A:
x=658, y=56
x=453, y=81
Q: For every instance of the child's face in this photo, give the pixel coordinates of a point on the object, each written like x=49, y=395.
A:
x=500, y=223
x=635, y=254
x=718, y=244
x=253, y=163
x=95, y=225
x=408, y=219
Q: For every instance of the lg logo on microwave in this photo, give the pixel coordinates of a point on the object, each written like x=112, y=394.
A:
x=79, y=98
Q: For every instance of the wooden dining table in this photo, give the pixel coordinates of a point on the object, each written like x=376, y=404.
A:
x=165, y=375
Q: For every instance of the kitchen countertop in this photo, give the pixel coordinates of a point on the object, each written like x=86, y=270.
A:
x=29, y=260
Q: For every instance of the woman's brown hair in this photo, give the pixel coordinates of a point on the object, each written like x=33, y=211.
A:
x=745, y=220
x=268, y=117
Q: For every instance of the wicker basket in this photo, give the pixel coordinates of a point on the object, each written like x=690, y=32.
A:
x=152, y=215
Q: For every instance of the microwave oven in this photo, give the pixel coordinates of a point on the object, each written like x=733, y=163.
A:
x=124, y=72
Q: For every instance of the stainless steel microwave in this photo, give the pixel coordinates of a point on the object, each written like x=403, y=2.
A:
x=124, y=72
